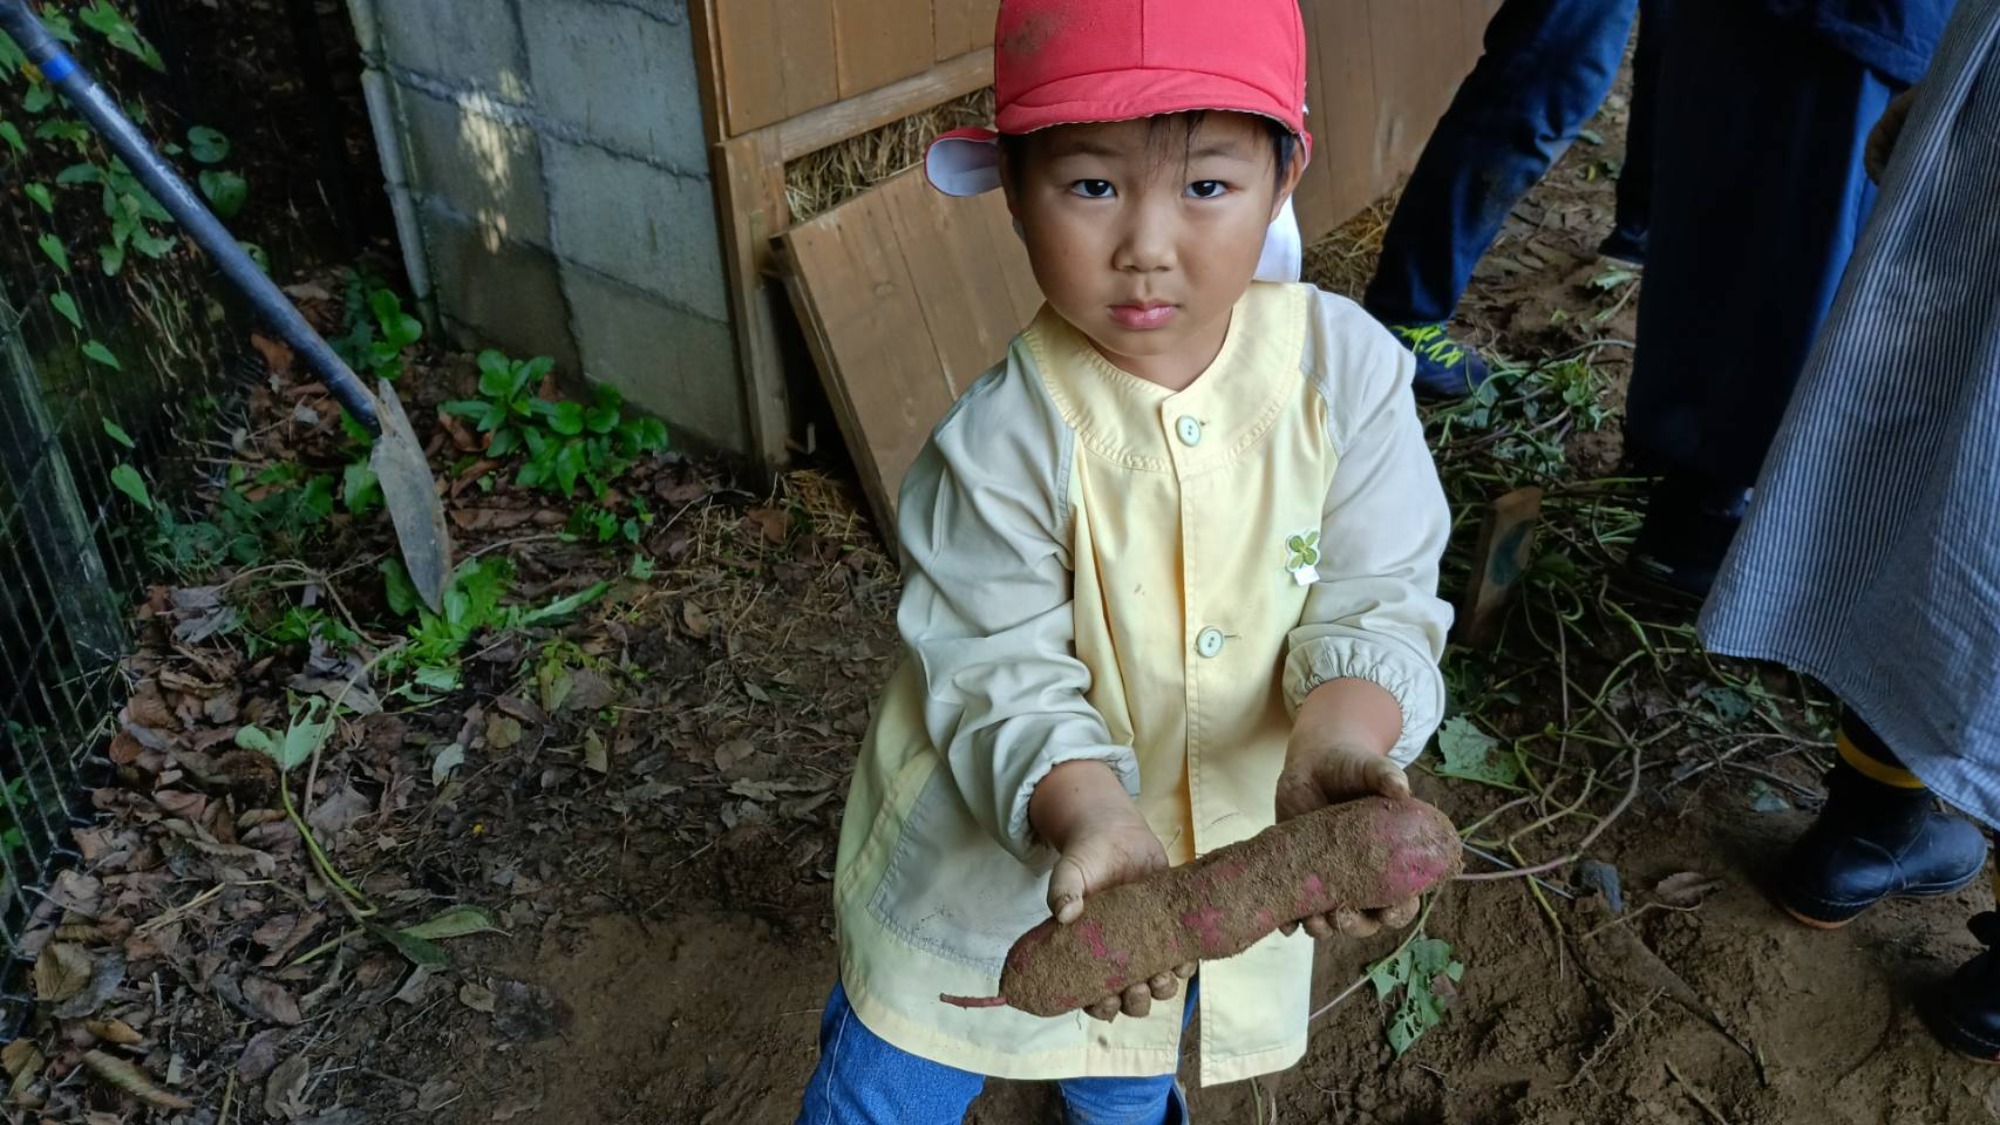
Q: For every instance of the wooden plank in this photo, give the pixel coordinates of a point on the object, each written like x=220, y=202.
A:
x=1015, y=271
x=1409, y=37
x=1506, y=546
x=751, y=85
x=832, y=124
x=750, y=180
x=905, y=299
x=708, y=68
x=965, y=25
x=958, y=269
x=879, y=41
x=1344, y=122
x=806, y=51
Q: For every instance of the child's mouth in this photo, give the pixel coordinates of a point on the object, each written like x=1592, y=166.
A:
x=1144, y=318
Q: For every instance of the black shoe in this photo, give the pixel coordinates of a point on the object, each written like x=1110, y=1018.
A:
x=1874, y=841
x=1965, y=1013
x=1624, y=249
x=1688, y=529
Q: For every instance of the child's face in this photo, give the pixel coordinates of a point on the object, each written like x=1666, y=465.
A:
x=1144, y=236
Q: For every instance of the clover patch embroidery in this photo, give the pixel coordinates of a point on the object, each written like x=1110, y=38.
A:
x=1302, y=557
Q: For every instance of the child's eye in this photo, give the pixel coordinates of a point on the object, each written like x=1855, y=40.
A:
x=1207, y=189
x=1092, y=189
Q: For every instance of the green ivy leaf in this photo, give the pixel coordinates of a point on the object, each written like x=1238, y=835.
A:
x=257, y=255
x=38, y=99
x=108, y=21
x=12, y=136
x=63, y=129
x=416, y=950
x=66, y=305
x=1425, y=971
x=227, y=192
x=111, y=256
x=60, y=26
x=128, y=481
x=53, y=247
x=42, y=196
x=1471, y=754
x=454, y=922
x=98, y=353
x=117, y=433
x=401, y=592
x=80, y=174
x=360, y=488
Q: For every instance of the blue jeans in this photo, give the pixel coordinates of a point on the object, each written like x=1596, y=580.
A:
x=1762, y=194
x=1547, y=66
x=862, y=1080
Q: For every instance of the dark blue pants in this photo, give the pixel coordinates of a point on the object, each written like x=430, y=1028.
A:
x=1760, y=195
x=1547, y=66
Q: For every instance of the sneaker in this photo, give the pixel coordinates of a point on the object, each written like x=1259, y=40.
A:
x=1445, y=368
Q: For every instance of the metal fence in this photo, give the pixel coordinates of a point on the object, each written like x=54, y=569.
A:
x=120, y=358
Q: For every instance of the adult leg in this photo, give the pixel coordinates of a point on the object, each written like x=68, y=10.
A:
x=863, y=1080
x=1628, y=239
x=1546, y=68
x=1759, y=196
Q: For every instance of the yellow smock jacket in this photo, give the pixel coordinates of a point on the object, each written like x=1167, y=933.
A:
x=1099, y=568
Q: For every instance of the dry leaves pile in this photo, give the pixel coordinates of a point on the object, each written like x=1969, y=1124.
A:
x=200, y=965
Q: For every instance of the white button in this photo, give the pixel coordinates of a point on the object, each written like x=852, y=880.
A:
x=1189, y=431
x=1209, y=643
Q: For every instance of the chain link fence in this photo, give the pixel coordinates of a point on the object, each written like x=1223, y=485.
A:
x=121, y=361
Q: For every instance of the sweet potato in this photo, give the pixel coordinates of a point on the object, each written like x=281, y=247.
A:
x=1366, y=854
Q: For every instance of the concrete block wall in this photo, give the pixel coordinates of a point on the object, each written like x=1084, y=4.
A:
x=555, y=176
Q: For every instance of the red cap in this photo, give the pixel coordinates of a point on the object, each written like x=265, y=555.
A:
x=1064, y=62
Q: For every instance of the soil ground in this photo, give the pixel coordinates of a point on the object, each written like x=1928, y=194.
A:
x=703, y=1006
x=650, y=798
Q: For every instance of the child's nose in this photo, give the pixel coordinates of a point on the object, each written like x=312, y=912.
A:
x=1148, y=242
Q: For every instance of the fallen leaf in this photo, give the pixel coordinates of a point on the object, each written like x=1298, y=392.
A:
x=20, y=1057
x=595, y=756
x=277, y=354
x=133, y=1081
x=491, y=519
x=730, y=753
x=272, y=1001
x=116, y=1032
x=62, y=971
x=287, y=1086
x=456, y=921
x=1689, y=888
x=588, y=692
x=413, y=990
x=775, y=525
x=337, y=813
x=105, y=978
x=436, y=1094
x=477, y=997
x=695, y=621
x=502, y=732
x=447, y=760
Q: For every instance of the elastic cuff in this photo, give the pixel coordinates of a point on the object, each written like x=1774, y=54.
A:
x=1020, y=835
x=1415, y=682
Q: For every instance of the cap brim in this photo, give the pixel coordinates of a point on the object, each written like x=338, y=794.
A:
x=964, y=162
x=1128, y=95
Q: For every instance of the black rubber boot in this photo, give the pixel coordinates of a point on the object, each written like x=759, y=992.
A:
x=1965, y=1013
x=1875, y=841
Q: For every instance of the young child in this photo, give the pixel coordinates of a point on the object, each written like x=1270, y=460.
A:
x=1170, y=576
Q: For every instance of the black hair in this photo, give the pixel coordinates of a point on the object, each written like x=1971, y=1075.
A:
x=1284, y=142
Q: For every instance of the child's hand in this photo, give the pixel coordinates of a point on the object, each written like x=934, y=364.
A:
x=1332, y=758
x=1085, y=814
